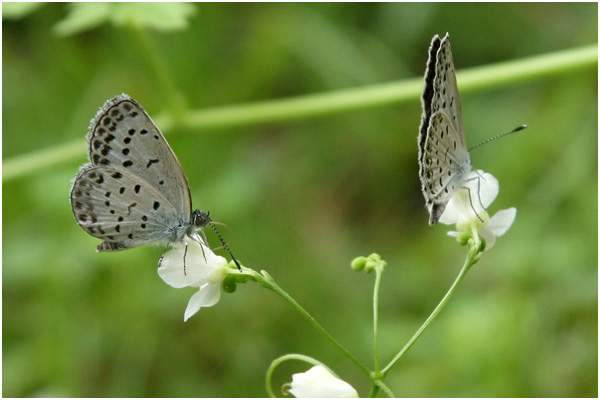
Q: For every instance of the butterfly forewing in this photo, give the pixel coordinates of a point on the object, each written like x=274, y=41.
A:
x=123, y=137
x=445, y=89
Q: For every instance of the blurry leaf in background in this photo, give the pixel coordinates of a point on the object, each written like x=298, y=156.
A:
x=18, y=10
x=156, y=16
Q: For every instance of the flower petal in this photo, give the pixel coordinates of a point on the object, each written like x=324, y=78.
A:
x=486, y=185
x=483, y=188
x=501, y=221
x=180, y=269
x=173, y=271
x=489, y=237
x=208, y=295
x=319, y=382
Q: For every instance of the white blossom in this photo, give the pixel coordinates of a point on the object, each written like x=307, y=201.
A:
x=467, y=209
x=202, y=269
x=319, y=382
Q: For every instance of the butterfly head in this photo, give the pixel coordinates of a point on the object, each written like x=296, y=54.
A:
x=199, y=219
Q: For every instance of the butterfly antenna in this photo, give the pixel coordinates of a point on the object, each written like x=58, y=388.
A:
x=212, y=225
x=519, y=128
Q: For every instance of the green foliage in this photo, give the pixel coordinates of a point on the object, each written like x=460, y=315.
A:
x=303, y=197
x=158, y=16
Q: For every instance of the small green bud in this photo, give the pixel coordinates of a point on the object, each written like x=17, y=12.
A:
x=358, y=263
x=229, y=283
x=375, y=257
x=483, y=244
x=463, y=238
x=370, y=266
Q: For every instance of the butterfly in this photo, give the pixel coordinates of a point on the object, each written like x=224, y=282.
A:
x=133, y=191
x=444, y=160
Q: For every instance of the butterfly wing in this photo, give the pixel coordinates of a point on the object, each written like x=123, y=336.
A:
x=443, y=156
x=122, y=209
x=122, y=136
x=134, y=190
x=443, y=165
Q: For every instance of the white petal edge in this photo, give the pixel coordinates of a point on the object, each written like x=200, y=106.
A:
x=487, y=185
x=501, y=221
x=490, y=238
x=208, y=295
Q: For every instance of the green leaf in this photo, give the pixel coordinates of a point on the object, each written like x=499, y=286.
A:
x=159, y=16
x=82, y=17
x=19, y=10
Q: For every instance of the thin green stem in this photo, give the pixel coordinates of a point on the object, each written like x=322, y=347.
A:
x=163, y=78
x=472, y=258
x=345, y=100
x=378, y=384
x=268, y=282
x=378, y=273
x=314, y=105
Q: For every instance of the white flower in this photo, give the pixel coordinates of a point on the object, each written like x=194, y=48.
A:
x=202, y=269
x=319, y=382
x=483, y=189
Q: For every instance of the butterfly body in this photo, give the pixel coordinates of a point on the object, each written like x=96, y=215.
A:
x=444, y=160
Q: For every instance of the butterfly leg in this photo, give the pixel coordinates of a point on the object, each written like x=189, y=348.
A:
x=479, y=188
x=471, y=201
x=163, y=254
x=206, y=242
x=184, y=255
x=196, y=239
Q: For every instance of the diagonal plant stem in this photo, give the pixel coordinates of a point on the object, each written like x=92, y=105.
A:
x=267, y=281
x=314, y=105
x=472, y=258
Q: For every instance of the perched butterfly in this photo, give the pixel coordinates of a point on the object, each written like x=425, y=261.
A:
x=133, y=191
x=444, y=160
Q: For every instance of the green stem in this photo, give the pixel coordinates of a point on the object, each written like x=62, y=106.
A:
x=162, y=74
x=314, y=105
x=265, y=279
x=277, y=361
x=472, y=258
x=378, y=273
x=378, y=384
x=345, y=100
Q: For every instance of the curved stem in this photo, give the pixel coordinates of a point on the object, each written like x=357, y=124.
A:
x=313, y=105
x=265, y=279
x=281, y=359
x=472, y=258
x=378, y=384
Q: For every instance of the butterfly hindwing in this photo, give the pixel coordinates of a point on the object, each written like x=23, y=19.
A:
x=120, y=208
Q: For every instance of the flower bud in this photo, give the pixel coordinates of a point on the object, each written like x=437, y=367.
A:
x=359, y=263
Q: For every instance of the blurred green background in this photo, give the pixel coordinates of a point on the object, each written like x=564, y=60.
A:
x=302, y=198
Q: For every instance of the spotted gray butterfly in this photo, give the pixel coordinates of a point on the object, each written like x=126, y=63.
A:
x=444, y=160
x=133, y=191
